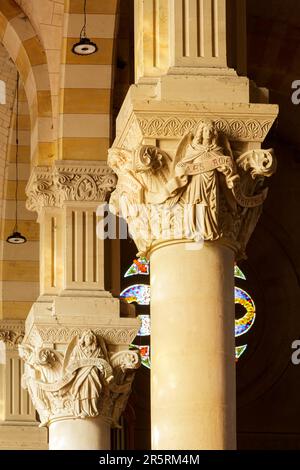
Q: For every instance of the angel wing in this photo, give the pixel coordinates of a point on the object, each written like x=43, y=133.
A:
x=181, y=150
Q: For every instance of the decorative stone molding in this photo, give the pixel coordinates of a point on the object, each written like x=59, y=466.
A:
x=11, y=332
x=86, y=381
x=52, y=186
x=156, y=120
x=235, y=129
x=54, y=334
x=207, y=192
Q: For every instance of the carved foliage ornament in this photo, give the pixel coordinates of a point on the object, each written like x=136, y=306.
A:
x=86, y=381
x=205, y=192
x=11, y=332
x=53, y=186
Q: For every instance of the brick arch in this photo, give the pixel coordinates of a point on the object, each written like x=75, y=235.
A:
x=25, y=49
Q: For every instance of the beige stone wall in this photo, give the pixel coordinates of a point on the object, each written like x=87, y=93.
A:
x=8, y=74
x=19, y=268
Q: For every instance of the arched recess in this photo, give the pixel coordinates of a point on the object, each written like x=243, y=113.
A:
x=25, y=49
x=87, y=81
x=19, y=268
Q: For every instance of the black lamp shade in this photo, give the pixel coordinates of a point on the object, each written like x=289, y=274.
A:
x=16, y=238
x=84, y=47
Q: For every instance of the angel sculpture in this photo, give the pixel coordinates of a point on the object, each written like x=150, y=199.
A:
x=201, y=161
x=141, y=176
x=206, y=169
x=195, y=182
x=88, y=383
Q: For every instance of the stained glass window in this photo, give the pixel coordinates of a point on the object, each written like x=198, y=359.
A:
x=145, y=329
x=145, y=354
x=239, y=273
x=139, y=266
x=139, y=293
x=239, y=350
x=243, y=325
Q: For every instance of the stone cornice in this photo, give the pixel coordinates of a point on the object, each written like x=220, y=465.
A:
x=68, y=181
x=114, y=334
x=140, y=120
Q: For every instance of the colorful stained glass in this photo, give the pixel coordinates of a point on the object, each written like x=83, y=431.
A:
x=243, y=325
x=145, y=355
x=139, y=293
x=239, y=350
x=139, y=266
x=145, y=329
x=239, y=273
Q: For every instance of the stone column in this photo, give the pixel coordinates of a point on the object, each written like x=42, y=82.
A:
x=18, y=424
x=191, y=177
x=192, y=362
x=78, y=366
x=192, y=212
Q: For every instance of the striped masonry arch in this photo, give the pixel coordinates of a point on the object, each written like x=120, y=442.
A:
x=87, y=82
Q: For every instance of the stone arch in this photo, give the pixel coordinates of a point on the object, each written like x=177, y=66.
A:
x=87, y=81
x=26, y=50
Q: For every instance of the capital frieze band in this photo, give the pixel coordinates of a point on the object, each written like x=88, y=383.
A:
x=52, y=186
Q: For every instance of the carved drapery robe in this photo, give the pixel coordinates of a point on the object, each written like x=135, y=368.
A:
x=202, y=188
x=86, y=388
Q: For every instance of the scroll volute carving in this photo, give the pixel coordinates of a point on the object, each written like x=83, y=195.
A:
x=206, y=192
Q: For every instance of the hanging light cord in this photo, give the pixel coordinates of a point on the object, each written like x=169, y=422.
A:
x=17, y=153
x=83, y=31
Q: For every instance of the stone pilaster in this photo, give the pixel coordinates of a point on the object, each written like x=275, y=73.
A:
x=18, y=423
x=78, y=366
x=66, y=198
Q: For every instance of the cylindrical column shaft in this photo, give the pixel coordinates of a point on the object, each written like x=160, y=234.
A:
x=192, y=342
x=79, y=434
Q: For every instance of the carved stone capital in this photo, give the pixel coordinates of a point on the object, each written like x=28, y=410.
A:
x=207, y=190
x=68, y=181
x=11, y=333
x=87, y=379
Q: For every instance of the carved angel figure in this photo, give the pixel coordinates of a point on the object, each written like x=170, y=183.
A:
x=201, y=159
x=86, y=387
x=142, y=175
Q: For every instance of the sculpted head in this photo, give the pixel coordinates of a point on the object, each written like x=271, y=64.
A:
x=88, y=338
x=205, y=134
x=119, y=160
